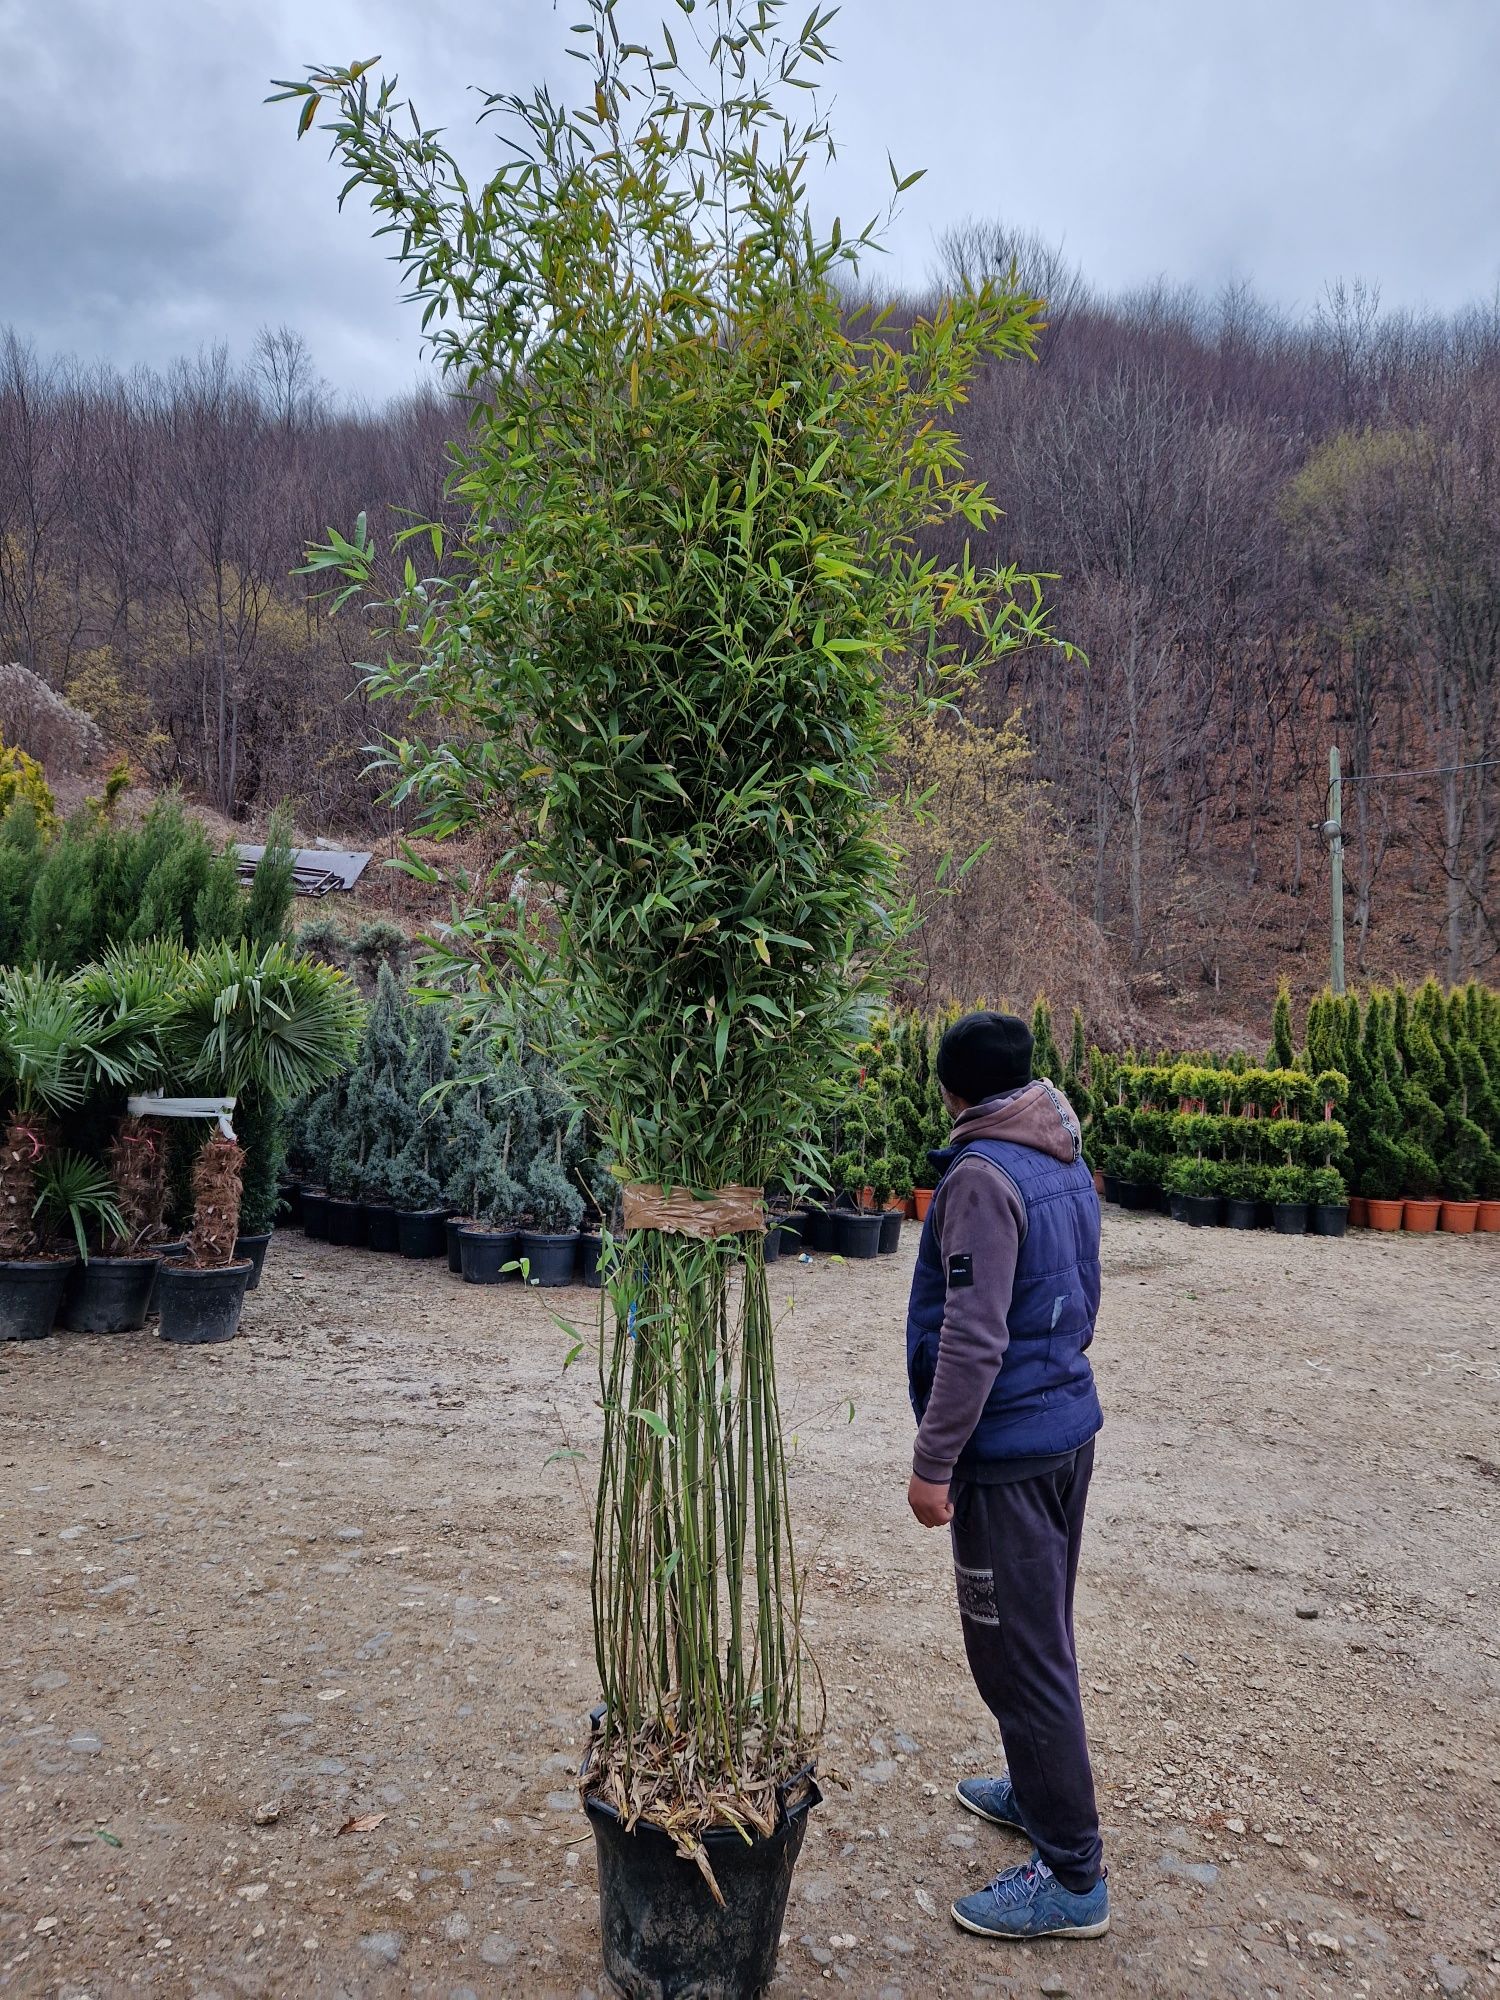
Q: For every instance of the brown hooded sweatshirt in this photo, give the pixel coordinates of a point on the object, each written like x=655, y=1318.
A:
x=978, y=1210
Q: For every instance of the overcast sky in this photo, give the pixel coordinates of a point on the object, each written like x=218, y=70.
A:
x=150, y=203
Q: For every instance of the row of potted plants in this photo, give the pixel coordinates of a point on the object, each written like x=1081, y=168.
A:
x=100, y=1153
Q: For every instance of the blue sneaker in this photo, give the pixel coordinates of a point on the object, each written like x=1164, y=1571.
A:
x=992, y=1799
x=1030, y=1902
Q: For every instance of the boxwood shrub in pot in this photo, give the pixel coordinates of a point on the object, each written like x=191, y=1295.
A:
x=549, y=1242
x=1286, y=1190
x=1327, y=1202
x=1192, y=1187
x=1243, y=1183
x=672, y=666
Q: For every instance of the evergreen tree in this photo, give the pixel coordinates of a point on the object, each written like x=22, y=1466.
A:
x=269, y=902
x=218, y=915
x=421, y=1168
x=1283, y=1050
x=21, y=851
x=375, y=1128
x=1385, y=1165
x=61, y=927
x=1045, y=1058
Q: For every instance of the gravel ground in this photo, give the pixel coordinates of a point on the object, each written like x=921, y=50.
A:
x=294, y=1641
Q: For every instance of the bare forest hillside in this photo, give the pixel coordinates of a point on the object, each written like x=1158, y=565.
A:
x=1267, y=538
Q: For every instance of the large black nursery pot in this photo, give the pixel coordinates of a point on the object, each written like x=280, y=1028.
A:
x=1289, y=1218
x=201, y=1306
x=1199, y=1211
x=856, y=1233
x=1328, y=1218
x=794, y=1228
x=161, y=1252
x=1112, y=1189
x=254, y=1247
x=484, y=1253
x=454, y=1226
x=108, y=1294
x=31, y=1291
x=1241, y=1214
x=771, y=1246
x=550, y=1257
x=346, y=1223
x=890, y=1231
x=664, y=1936
x=315, y=1213
x=590, y=1246
x=421, y=1232
x=820, y=1226
x=380, y=1225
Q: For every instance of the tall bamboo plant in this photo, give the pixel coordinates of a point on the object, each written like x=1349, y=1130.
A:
x=702, y=495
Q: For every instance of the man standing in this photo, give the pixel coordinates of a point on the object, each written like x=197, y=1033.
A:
x=1002, y=1312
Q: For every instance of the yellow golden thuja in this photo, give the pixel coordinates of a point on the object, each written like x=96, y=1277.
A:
x=23, y=779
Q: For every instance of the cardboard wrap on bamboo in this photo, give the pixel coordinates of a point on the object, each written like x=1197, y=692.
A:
x=728, y=1211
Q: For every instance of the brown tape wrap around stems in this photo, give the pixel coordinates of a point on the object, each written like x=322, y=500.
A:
x=729, y=1211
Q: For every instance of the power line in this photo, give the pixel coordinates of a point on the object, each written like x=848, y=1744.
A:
x=1432, y=771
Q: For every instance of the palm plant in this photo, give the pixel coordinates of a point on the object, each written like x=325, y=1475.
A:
x=675, y=666
x=53, y=1046
x=258, y=1022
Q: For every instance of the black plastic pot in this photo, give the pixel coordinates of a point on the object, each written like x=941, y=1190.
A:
x=483, y=1253
x=550, y=1258
x=664, y=1936
x=201, y=1307
x=289, y=1205
x=380, y=1225
x=794, y=1233
x=856, y=1232
x=1112, y=1186
x=255, y=1248
x=1136, y=1195
x=108, y=1294
x=31, y=1290
x=1289, y=1218
x=1328, y=1218
x=820, y=1226
x=421, y=1232
x=772, y=1243
x=161, y=1251
x=315, y=1213
x=890, y=1231
x=1241, y=1214
x=589, y=1247
x=1199, y=1211
x=346, y=1223
x=454, y=1224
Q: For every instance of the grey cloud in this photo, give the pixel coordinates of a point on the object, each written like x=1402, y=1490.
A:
x=150, y=202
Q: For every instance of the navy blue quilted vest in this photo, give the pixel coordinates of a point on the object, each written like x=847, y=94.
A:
x=1044, y=1400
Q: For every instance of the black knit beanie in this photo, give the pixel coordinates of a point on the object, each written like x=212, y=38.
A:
x=983, y=1055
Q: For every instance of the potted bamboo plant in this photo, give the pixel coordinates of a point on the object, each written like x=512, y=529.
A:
x=674, y=665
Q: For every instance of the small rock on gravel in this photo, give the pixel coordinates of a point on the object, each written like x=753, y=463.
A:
x=1307, y=1610
x=881, y=1773
x=382, y=1945
x=456, y=1927
x=268, y=1814
x=1203, y=1873
x=1451, y=1978
x=86, y=1744
x=498, y=1950
x=1054, y=1985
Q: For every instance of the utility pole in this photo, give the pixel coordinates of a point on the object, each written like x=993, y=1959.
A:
x=1333, y=833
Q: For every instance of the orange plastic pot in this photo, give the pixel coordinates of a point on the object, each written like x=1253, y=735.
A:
x=1359, y=1212
x=923, y=1201
x=1421, y=1218
x=1488, y=1219
x=909, y=1208
x=1459, y=1218
x=1099, y=1185
x=1384, y=1214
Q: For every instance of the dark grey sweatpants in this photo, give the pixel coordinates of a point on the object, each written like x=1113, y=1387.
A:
x=1015, y=1550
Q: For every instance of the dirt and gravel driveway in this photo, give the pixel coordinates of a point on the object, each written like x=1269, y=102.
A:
x=332, y=1573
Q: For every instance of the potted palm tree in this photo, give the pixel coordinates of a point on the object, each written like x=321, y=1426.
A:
x=247, y=1018
x=674, y=664
x=53, y=1049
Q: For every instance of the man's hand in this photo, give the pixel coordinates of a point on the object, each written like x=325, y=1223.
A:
x=929, y=1502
